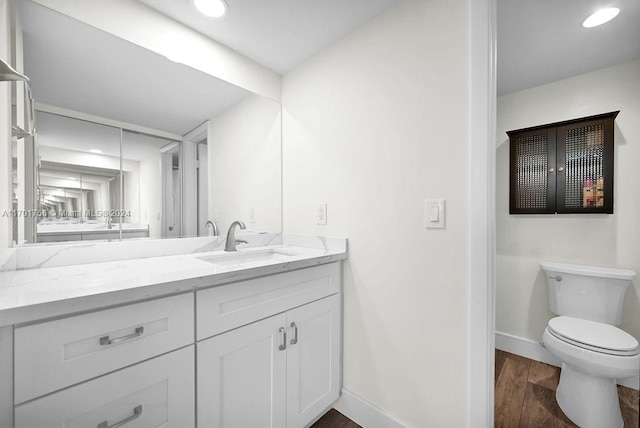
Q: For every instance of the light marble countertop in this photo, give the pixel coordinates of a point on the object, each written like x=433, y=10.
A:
x=31, y=294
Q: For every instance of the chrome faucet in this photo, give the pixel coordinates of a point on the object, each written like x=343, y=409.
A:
x=109, y=225
x=214, y=227
x=231, y=236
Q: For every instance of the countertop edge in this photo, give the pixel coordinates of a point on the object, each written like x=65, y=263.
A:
x=39, y=312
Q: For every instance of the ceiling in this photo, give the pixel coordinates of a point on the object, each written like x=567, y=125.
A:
x=542, y=41
x=539, y=41
x=278, y=34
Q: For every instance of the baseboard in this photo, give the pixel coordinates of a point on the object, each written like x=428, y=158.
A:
x=364, y=413
x=535, y=351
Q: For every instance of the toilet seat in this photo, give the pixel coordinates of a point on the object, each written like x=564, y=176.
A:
x=594, y=336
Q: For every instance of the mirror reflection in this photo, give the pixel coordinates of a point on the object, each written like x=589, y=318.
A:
x=91, y=189
x=129, y=144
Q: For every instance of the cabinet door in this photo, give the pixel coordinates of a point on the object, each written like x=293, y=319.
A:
x=313, y=359
x=585, y=167
x=156, y=393
x=242, y=377
x=532, y=171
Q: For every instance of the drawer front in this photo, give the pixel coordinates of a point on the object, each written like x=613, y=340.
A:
x=158, y=392
x=61, y=353
x=229, y=306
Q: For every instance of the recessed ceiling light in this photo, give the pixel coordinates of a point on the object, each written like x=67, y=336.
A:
x=600, y=17
x=96, y=151
x=212, y=8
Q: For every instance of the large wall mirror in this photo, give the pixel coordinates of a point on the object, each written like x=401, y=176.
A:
x=130, y=145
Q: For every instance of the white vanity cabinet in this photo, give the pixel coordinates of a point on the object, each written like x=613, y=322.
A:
x=281, y=368
x=258, y=352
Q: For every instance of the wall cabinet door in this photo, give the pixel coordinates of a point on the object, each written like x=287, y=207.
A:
x=242, y=377
x=313, y=360
x=564, y=167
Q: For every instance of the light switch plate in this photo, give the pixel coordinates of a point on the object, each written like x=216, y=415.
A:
x=434, y=213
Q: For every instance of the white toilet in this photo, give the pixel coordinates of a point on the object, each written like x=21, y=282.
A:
x=594, y=353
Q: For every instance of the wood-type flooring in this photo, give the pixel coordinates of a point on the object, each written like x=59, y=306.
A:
x=525, y=396
x=335, y=419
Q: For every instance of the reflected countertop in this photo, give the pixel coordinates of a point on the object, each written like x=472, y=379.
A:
x=30, y=294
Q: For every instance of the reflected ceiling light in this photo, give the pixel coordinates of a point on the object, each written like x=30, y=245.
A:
x=212, y=8
x=96, y=151
x=600, y=17
x=8, y=73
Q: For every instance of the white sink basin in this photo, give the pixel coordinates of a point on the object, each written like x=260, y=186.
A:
x=249, y=258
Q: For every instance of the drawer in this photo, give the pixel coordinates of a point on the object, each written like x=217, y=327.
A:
x=158, y=392
x=223, y=308
x=56, y=354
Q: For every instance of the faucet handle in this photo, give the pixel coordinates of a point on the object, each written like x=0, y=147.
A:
x=241, y=241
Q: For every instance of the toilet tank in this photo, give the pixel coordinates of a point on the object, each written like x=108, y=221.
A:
x=588, y=292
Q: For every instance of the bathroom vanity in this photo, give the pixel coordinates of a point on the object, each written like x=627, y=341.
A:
x=207, y=339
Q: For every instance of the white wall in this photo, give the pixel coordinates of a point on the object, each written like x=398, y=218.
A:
x=524, y=240
x=244, y=165
x=372, y=126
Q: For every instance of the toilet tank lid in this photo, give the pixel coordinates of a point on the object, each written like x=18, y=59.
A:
x=597, y=271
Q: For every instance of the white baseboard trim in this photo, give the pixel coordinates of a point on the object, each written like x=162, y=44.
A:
x=535, y=351
x=364, y=413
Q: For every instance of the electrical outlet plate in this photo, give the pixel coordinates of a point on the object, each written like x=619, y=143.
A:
x=321, y=214
x=434, y=213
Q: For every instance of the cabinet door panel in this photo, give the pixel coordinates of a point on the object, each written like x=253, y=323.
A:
x=156, y=393
x=532, y=172
x=313, y=363
x=241, y=377
x=585, y=155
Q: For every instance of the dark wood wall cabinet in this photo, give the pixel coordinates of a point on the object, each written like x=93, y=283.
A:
x=563, y=167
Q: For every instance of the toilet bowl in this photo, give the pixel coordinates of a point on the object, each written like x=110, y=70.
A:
x=593, y=356
x=593, y=351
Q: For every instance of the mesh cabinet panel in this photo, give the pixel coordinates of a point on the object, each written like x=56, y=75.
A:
x=584, y=178
x=531, y=171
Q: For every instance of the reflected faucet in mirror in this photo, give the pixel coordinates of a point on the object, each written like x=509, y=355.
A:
x=213, y=229
x=231, y=236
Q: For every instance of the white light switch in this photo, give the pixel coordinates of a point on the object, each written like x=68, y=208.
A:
x=434, y=213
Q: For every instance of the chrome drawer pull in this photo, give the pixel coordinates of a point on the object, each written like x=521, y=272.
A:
x=137, y=412
x=295, y=333
x=283, y=334
x=105, y=340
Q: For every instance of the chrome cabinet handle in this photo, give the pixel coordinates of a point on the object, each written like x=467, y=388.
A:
x=560, y=169
x=283, y=335
x=106, y=340
x=137, y=412
x=294, y=340
x=551, y=170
